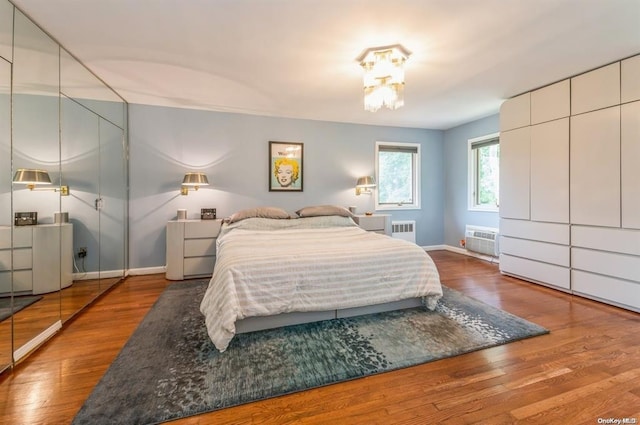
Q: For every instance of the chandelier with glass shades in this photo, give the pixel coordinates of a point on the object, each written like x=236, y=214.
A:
x=383, y=76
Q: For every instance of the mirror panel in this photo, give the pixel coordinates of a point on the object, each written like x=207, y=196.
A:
x=92, y=149
x=80, y=84
x=67, y=122
x=35, y=145
x=6, y=30
x=113, y=181
x=5, y=215
x=80, y=139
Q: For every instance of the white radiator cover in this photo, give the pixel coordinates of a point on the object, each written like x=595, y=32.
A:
x=405, y=230
x=483, y=240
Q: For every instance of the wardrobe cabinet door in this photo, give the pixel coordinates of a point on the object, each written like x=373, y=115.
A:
x=514, y=173
x=551, y=103
x=595, y=168
x=550, y=171
x=630, y=84
x=596, y=89
x=630, y=145
x=515, y=112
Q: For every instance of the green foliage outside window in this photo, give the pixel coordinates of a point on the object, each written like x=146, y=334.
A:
x=395, y=171
x=488, y=175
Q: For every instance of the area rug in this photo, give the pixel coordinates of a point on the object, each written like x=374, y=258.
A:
x=18, y=304
x=169, y=368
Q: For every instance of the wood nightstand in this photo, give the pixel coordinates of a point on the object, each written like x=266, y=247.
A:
x=191, y=248
x=378, y=223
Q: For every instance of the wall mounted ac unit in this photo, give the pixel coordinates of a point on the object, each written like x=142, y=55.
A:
x=483, y=240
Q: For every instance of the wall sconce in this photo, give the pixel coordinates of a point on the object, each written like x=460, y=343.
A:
x=365, y=185
x=193, y=180
x=33, y=177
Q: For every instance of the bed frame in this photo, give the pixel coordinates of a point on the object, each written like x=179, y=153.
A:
x=251, y=324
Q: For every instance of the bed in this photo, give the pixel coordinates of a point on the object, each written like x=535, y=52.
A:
x=273, y=272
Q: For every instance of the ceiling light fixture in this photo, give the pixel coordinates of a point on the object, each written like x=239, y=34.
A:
x=383, y=76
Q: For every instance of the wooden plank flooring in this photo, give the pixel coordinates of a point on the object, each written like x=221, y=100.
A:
x=587, y=368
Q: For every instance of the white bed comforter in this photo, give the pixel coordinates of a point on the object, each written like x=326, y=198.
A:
x=266, y=267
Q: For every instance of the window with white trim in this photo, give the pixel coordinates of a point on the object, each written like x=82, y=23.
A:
x=397, y=175
x=484, y=173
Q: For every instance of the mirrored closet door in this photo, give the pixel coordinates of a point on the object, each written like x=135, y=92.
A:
x=93, y=162
x=79, y=133
x=6, y=55
x=38, y=244
x=63, y=186
x=112, y=203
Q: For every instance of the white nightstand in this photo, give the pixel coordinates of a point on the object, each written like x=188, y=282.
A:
x=191, y=248
x=378, y=223
x=42, y=258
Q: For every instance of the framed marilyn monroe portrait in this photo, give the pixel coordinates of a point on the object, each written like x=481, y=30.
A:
x=285, y=167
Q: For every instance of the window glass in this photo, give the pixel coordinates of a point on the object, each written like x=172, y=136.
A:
x=484, y=173
x=397, y=169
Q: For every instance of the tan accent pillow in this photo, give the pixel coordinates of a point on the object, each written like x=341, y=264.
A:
x=262, y=212
x=321, y=210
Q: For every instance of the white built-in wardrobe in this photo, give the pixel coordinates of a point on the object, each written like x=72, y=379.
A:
x=570, y=185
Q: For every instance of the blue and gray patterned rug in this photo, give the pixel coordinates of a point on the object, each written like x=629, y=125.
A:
x=169, y=368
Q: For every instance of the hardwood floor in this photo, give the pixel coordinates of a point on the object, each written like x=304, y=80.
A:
x=54, y=306
x=587, y=368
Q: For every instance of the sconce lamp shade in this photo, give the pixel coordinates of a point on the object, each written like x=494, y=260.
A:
x=366, y=181
x=365, y=184
x=194, y=180
x=33, y=177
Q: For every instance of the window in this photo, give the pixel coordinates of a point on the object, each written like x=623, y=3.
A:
x=398, y=175
x=484, y=173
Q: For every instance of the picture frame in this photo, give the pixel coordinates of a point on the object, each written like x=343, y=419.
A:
x=286, y=166
x=207, y=213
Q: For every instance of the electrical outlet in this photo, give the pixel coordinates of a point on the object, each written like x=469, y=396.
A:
x=82, y=252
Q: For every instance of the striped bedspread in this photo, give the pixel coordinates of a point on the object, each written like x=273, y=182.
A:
x=265, y=269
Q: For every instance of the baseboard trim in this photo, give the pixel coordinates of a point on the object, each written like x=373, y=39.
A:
x=461, y=251
x=434, y=247
x=37, y=341
x=98, y=275
x=147, y=270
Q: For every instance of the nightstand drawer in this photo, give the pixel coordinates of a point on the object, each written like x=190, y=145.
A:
x=377, y=223
x=372, y=223
x=191, y=247
x=202, y=229
x=197, y=266
x=21, y=259
x=199, y=247
x=22, y=281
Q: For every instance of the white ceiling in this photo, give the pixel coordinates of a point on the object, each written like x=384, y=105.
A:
x=296, y=58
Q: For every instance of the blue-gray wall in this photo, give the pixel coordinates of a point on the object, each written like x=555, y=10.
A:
x=457, y=213
x=232, y=149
